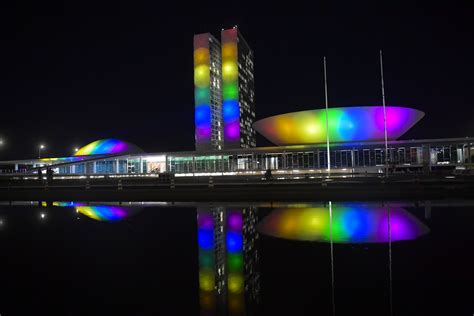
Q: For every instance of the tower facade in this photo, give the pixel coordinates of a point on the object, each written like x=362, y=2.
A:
x=207, y=93
x=223, y=92
x=238, y=107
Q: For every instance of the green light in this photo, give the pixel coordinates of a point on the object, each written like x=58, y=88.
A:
x=231, y=91
x=206, y=259
x=234, y=262
x=202, y=96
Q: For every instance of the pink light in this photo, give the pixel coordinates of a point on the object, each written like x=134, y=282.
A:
x=232, y=130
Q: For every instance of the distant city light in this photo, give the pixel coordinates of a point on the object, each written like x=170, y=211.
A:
x=43, y=215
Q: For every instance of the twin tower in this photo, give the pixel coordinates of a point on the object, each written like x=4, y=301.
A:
x=223, y=92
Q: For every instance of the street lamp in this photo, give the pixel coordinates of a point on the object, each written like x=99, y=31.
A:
x=39, y=150
x=76, y=149
x=1, y=142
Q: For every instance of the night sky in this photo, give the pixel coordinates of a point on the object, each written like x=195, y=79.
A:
x=73, y=72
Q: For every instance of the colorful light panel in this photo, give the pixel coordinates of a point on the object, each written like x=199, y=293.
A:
x=202, y=92
x=352, y=223
x=230, y=87
x=107, y=146
x=347, y=124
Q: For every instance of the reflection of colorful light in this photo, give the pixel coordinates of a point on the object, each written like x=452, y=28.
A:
x=234, y=242
x=100, y=212
x=235, y=277
x=361, y=123
x=230, y=77
x=107, y=146
x=352, y=223
x=207, y=282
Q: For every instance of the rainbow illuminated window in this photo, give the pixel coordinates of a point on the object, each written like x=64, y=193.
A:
x=230, y=87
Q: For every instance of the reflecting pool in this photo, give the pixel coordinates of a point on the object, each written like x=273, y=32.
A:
x=162, y=258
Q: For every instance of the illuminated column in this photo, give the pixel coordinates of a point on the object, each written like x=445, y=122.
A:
x=230, y=89
x=235, y=268
x=207, y=92
x=202, y=98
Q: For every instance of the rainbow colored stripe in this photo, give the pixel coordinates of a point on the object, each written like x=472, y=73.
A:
x=202, y=90
x=352, y=223
x=346, y=124
x=99, y=212
x=207, y=282
x=235, y=259
x=107, y=146
x=62, y=159
x=230, y=87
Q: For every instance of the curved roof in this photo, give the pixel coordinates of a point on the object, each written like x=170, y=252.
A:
x=108, y=146
x=346, y=124
x=351, y=223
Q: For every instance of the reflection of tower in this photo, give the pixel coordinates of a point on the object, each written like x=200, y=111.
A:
x=228, y=275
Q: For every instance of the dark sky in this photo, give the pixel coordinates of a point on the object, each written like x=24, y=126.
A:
x=73, y=72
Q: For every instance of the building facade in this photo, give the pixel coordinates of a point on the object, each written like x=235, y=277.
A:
x=238, y=90
x=208, y=93
x=223, y=92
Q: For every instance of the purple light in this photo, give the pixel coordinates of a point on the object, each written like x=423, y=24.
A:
x=232, y=130
x=234, y=221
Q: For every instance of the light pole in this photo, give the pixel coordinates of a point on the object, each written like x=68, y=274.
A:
x=39, y=150
x=76, y=150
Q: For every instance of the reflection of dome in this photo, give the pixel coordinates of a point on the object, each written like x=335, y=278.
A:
x=101, y=212
x=351, y=223
x=108, y=146
x=347, y=124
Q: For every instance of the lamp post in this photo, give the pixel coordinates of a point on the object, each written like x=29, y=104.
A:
x=39, y=150
x=76, y=150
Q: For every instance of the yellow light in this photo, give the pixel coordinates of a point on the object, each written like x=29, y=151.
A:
x=201, y=56
x=229, y=52
x=206, y=280
x=235, y=283
x=201, y=76
x=229, y=71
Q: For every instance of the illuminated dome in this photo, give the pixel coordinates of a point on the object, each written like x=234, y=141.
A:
x=108, y=146
x=351, y=223
x=346, y=124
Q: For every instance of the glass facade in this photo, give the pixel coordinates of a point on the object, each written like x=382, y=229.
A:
x=368, y=157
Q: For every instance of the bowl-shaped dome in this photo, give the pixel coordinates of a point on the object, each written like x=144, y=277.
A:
x=346, y=124
x=108, y=146
x=351, y=223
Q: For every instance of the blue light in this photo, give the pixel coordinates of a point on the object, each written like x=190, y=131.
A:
x=357, y=222
x=230, y=110
x=234, y=242
x=203, y=115
x=205, y=238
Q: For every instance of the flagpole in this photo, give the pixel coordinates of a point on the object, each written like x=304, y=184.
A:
x=327, y=117
x=384, y=115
